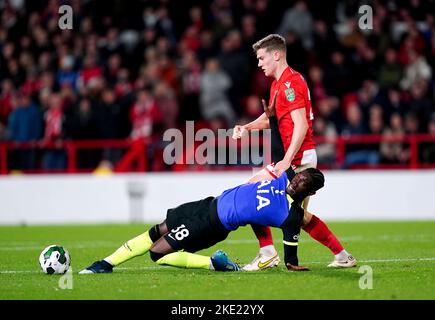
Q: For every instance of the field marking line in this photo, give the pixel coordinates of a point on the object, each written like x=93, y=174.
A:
x=385, y=260
x=109, y=244
x=162, y=267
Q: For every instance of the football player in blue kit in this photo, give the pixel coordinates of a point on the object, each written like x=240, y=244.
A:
x=198, y=225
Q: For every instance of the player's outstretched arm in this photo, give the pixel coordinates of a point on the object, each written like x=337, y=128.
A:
x=262, y=122
x=261, y=175
x=291, y=231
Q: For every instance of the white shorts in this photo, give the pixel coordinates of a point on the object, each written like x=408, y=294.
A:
x=309, y=160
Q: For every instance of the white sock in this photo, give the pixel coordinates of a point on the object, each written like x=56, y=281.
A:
x=268, y=250
x=342, y=255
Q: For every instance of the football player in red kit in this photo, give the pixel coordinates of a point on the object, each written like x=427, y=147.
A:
x=290, y=96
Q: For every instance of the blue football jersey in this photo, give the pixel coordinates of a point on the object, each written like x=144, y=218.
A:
x=264, y=203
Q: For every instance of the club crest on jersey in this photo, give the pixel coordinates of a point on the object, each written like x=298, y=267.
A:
x=290, y=94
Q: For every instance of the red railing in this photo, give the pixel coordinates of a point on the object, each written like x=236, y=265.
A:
x=413, y=141
x=136, y=152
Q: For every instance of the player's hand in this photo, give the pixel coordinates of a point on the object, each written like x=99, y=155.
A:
x=270, y=110
x=291, y=267
x=280, y=167
x=239, y=131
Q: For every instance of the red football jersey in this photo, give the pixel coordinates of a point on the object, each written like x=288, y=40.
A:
x=293, y=93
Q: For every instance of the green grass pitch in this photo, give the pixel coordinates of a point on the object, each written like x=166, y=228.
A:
x=401, y=255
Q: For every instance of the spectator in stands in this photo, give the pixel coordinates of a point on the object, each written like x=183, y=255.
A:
x=317, y=87
x=144, y=115
x=252, y=109
x=365, y=63
x=24, y=125
x=214, y=101
x=249, y=30
x=325, y=151
x=112, y=69
x=417, y=69
x=90, y=73
x=394, y=103
x=223, y=19
x=390, y=72
x=329, y=109
x=207, y=46
x=411, y=123
x=296, y=52
x=168, y=71
x=6, y=99
x=348, y=33
x=338, y=77
x=394, y=152
x=420, y=104
x=15, y=72
x=325, y=40
x=110, y=45
x=54, y=158
x=376, y=128
x=66, y=74
x=235, y=63
x=168, y=105
x=367, y=96
x=298, y=19
x=81, y=124
x=190, y=77
x=356, y=153
x=109, y=116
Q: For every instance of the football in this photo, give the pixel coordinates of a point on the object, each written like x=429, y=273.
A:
x=54, y=259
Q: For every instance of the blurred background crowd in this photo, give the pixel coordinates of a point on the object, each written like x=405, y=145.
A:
x=131, y=69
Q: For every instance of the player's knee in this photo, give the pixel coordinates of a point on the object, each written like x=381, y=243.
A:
x=155, y=255
x=154, y=233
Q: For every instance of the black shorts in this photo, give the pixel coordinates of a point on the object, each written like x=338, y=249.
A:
x=194, y=226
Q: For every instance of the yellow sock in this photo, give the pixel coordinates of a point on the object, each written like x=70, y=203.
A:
x=186, y=260
x=132, y=248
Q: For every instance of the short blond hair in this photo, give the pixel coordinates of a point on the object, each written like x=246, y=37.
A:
x=271, y=42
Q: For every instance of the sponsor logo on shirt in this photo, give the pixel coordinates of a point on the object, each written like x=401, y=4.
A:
x=290, y=94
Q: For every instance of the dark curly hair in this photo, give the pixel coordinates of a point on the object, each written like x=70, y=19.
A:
x=315, y=178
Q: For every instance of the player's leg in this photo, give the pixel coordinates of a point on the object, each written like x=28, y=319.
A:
x=137, y=246
x=268, y=256
x=192, y=227
x=130, y=249
x=162, y=253
x=318, y=230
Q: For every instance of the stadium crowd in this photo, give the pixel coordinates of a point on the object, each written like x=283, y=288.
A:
x=132, y=69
